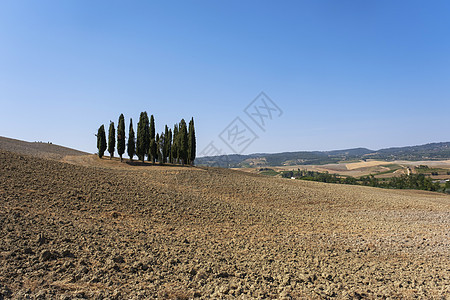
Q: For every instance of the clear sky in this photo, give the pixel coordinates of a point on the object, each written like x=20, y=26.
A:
x=345, y=73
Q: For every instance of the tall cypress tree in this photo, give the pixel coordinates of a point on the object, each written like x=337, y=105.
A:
x=121, y=136
x=101, y=141
x=175, y=144
x=169, y=146
x=147, y=133
x=152, y=127
x=111, y=140
x=143, y=136
x=158, y=150
x=162, y=148
x=192, y=144
x=131, y=142
x=152, y=153
x=165, y=144
x=183, y=140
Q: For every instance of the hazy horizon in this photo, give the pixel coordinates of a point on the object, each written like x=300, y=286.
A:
x=341, y=75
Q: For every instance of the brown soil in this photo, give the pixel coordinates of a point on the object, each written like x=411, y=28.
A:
x=104, y=229
x=39, y=149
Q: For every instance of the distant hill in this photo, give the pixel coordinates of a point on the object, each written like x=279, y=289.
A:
x=433, y=151
x=40, y=149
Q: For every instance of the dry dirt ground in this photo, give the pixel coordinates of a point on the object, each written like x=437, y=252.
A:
x=101, y=229
x=39, y=149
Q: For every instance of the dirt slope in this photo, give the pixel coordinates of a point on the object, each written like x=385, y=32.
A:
x=39, y=149
x=150, y=232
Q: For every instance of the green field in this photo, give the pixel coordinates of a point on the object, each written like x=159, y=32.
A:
x=269, y=172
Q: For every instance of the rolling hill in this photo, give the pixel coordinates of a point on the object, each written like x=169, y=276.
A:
x=433, y=151
x=40, y=149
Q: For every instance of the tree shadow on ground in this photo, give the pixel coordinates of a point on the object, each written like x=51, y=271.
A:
x=149, y=164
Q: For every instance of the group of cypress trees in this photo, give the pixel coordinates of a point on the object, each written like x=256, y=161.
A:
x=177, y=146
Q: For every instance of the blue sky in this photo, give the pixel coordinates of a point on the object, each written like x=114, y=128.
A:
x=345, y=74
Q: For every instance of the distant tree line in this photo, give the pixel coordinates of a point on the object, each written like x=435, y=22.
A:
x=412, y=181
x=177, y=146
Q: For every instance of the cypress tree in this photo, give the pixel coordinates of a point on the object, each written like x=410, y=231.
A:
x=183, y=142
x=101, y=141
x=175, y=144
x=169, y=146
x=121, y=136
x=158, y=151
x=147, y=134
x=162, y=147
x=152, y=127
x=131, y=141
x=191, y=142
x=143, y=137
x=111, y=140
x=152, y=151
x=165, y=144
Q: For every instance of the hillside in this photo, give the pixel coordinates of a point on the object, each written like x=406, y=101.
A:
x=39, y=149
x=433, y=151
x=148, y=232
